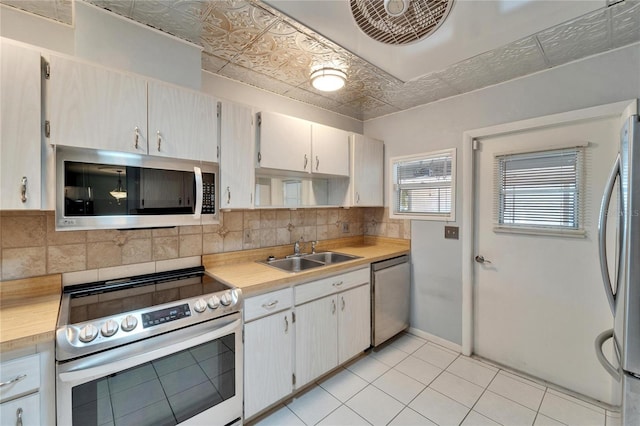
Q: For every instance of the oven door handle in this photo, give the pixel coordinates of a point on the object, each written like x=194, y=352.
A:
x=128, y=356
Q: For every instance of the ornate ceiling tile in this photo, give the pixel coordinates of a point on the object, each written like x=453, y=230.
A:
x=121, y=7
x=426, y=89
x=212, y=63
x=300, y=94
x=159, y=15
x=254, y=78
x=515, y=59
x=468, y=75
x=576, y=39
x=195, y=8
x=58, y=10
x=625, y=24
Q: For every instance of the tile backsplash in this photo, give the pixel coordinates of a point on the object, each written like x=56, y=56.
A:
x=30, y=245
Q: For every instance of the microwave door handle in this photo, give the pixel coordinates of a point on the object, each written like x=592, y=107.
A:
x=611, y=369
x=198, y=209
x=602, y=234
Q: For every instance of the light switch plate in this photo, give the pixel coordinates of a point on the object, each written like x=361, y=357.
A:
x=451, y=232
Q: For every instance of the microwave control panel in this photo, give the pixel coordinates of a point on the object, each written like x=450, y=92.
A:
x=208, y=193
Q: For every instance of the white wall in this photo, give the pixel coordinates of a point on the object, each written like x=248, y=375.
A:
x=437, y=263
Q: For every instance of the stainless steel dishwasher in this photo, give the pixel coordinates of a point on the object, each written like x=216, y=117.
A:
x=390, y=294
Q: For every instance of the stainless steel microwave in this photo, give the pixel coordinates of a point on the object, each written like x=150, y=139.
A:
x=98, y=189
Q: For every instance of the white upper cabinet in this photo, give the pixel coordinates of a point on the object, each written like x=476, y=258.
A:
x=236, y=157
x=93, y=107
x=182, y=123
x=330, y=150
x=284, y=143
x=20, y=128
x=367, y=177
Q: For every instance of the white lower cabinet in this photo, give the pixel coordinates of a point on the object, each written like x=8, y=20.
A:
x=329, y=324
x=268, y=351
x=23, y=411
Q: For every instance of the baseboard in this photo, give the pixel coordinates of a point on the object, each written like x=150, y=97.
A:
x=435, y=339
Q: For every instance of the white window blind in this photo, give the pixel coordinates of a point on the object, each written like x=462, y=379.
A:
x=423, y=186
x=540, y=189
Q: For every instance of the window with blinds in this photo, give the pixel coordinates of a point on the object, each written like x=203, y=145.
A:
x=540, y=190
x=424, y=186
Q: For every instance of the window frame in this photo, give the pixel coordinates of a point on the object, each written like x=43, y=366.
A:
x=550, y=230
x=393, y=189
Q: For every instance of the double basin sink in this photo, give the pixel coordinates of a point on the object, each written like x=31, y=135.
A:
x=308, y=261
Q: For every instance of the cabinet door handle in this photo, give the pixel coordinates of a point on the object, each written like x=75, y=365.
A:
x=286, y=324
x=333, y=306
x=159, y=139
x=19, y=417
x=338, y=284
x=23, y=189
x=342, y=297
x=136, y=133
x=317, y=163
x=228, y=195
x=270, y=304
x=357, y=198
x=14, y=380
x=306, y=161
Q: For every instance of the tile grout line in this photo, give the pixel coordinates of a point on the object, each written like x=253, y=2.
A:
x=479, y=398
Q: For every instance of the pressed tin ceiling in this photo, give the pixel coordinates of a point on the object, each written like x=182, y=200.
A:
x=251, y=42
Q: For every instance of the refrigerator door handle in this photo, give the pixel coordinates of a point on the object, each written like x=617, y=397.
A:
x=602, y=235
x=603, y=337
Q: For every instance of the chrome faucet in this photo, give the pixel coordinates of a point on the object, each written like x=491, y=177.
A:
x=313, y=247
x=296, y=248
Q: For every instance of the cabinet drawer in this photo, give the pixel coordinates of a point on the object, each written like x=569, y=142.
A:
x=325, y=286
x=27, y=407
x=14, y=370
x=269, y=303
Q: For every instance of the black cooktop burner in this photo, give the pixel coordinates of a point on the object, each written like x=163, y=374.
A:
x=108, y=298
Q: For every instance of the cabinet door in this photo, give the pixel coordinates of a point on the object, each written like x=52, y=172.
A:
x=316, y=340
x=236, y=152
x=268, y=365
x=182, y=123
x=20, y=129
x=94, y=107
x=368, y=171
x=330, y=149
x=285, y=143
x=354, y=322
x=23, y=411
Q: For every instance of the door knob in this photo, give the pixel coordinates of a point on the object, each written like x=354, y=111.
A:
x=480, y=259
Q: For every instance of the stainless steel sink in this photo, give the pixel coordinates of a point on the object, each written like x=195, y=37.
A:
x=329, y=257
x=308, y=261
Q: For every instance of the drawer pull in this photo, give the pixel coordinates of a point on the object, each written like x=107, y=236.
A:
x=286, y=324
x=333, y=306
x=338, y=284
x=14, y=380
x=343, y=302
x=270, y=304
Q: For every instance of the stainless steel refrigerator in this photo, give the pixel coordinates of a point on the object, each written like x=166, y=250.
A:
x=623, y=287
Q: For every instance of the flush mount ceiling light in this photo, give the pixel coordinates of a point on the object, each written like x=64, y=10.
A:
x=119, y=193
x=328, y=79
x=399, y=21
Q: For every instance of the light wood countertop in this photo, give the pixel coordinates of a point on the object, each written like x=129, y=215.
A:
x=241, y=270
x=29, y=311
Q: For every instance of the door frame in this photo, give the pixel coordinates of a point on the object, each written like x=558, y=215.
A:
x=469, y=138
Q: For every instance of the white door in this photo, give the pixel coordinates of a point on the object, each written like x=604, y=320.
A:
x=182, y=123
x=540, y=302
x=268, y=364
x=236, y=146
x=329, y=150
x=284, y=143
x=20, y=128
x=354, y=322
x=368, y=171
x=94, y=107
x=316, y=339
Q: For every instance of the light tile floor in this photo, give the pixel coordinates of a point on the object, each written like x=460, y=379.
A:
x=411, y=381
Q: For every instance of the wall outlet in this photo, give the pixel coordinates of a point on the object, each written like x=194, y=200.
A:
x=451, y=232
x=345, y=227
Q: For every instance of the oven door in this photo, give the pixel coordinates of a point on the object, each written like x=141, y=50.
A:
x=188, y=376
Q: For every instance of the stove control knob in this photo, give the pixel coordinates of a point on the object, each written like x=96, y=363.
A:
x=109, y=328
x=129, y=323
x=225, y=299
x=214, y=302
x=200, y=305
x=88, y=333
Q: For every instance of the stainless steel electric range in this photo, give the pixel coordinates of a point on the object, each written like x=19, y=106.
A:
x=156, y=349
